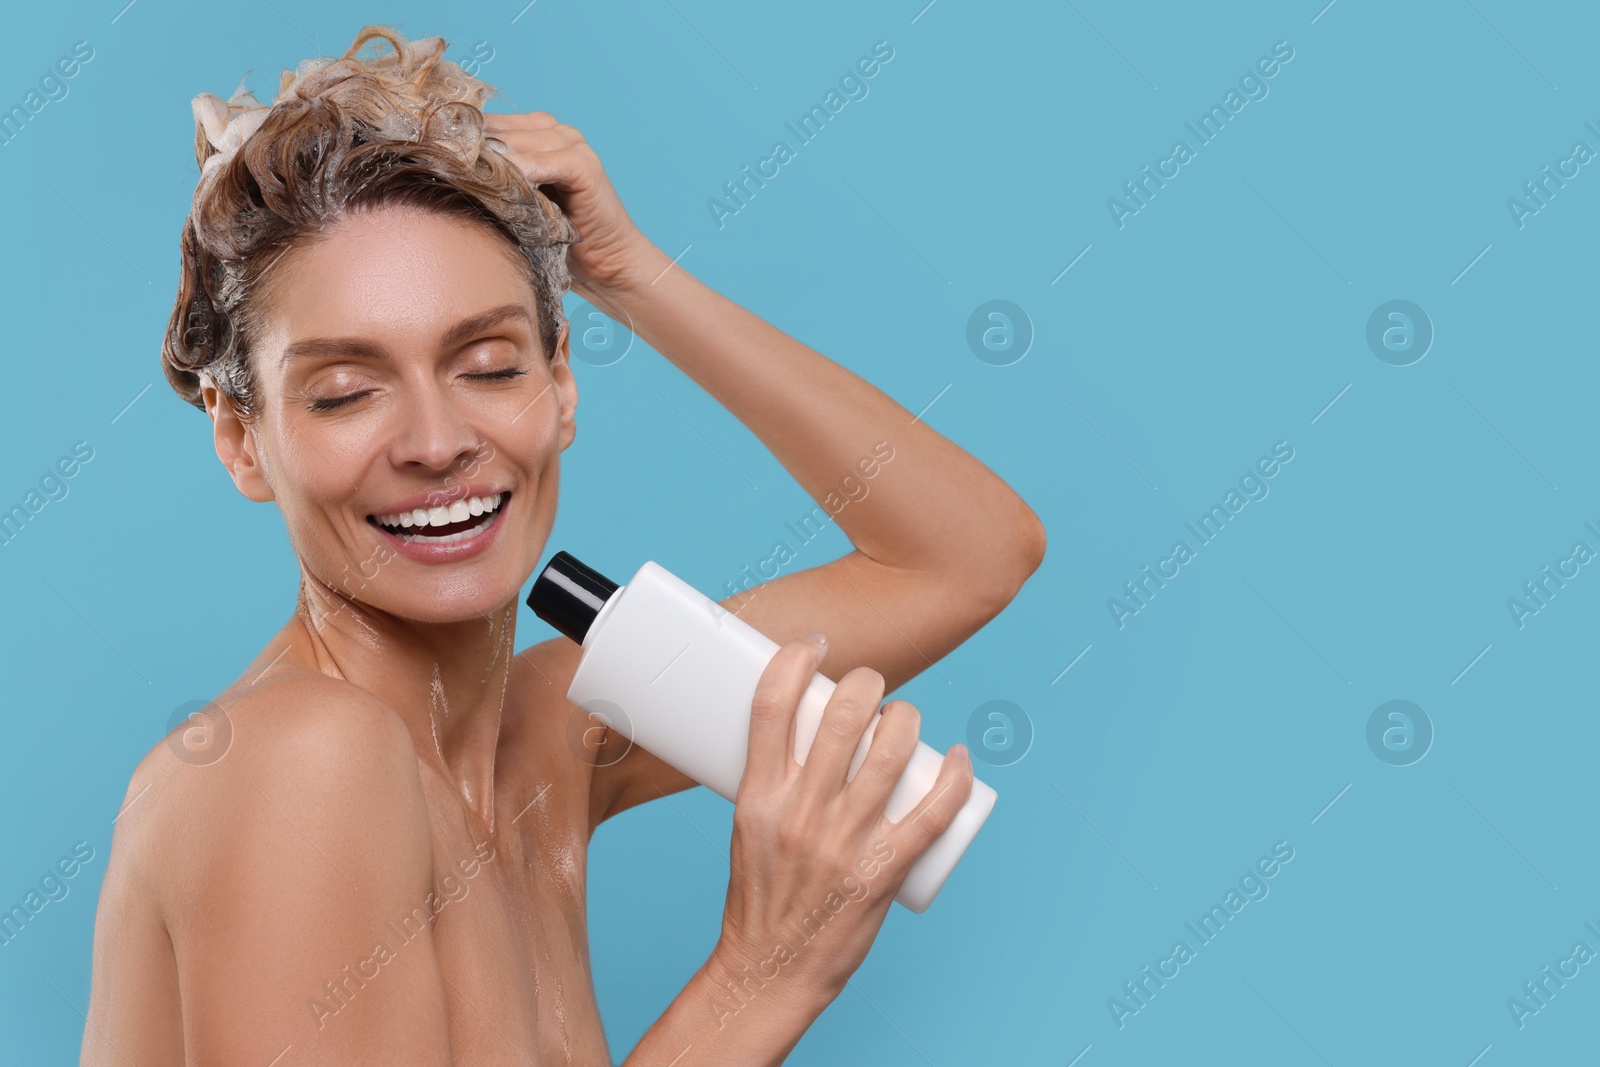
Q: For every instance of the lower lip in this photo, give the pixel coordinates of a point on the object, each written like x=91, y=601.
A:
x=449, y=551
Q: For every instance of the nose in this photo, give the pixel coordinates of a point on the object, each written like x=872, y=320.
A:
x=435, y=432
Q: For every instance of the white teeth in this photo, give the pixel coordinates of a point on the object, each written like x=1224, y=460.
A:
x=447, y=538
x=456, y=511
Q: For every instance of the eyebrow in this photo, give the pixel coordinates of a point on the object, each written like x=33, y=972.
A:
x=357, y=346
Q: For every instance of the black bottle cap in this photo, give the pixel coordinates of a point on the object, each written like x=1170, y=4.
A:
x=568, y=595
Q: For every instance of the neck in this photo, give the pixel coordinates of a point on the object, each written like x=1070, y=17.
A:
x=447, y=681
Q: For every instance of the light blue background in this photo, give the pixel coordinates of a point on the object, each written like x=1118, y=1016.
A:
x=1224, y=317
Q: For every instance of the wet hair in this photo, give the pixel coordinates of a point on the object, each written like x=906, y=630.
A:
x=345, y=135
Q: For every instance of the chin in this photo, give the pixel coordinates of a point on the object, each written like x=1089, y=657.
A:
x=466, y=568
x=463, y=600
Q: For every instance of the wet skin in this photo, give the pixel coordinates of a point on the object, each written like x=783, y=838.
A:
x=463, y=774
x=509, y=935
x=388, y=752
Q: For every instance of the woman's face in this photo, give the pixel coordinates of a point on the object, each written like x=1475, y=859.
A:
x=402, y=380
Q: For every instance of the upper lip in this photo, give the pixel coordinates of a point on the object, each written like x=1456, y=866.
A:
x=440, y=498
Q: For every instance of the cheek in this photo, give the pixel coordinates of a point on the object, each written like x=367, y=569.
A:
x=308, y=472
x=534, y=439
x=314, y=473
x=328, y=458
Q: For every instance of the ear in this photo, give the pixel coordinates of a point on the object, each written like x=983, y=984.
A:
x=235, y=443
x=566, y=386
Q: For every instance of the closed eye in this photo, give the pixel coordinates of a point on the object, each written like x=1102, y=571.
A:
x=340, y=401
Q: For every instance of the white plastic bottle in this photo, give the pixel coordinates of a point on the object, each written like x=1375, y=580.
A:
x=675, y=672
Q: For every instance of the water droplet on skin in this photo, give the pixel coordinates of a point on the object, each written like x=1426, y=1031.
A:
x=436, y=698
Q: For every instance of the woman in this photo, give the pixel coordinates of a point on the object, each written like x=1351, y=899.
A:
x=384, y=860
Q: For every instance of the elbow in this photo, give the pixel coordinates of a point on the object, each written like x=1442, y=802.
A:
x=1031, y=542
x=1015, y=558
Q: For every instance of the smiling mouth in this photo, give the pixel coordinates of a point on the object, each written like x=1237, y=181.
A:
x=442, y=525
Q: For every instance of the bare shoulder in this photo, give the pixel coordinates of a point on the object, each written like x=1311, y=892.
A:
x=270, y=730
x=269, y=855
x=541, y=674
x=621, y=773
x=547, y=721
x=294, y=746
x=553, y=662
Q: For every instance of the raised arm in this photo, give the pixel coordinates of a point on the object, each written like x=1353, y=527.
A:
x=940, y=543
x=277, y=869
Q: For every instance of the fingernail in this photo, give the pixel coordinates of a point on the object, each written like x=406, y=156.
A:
x=818, y=639
x=963, y=754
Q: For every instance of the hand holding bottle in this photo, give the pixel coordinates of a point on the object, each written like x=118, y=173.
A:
x=676, y=673
x=815, y=860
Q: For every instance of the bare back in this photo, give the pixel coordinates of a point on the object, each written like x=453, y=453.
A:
x=494, y=935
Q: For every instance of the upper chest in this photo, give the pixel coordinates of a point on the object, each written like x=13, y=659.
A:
x=508, y=905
